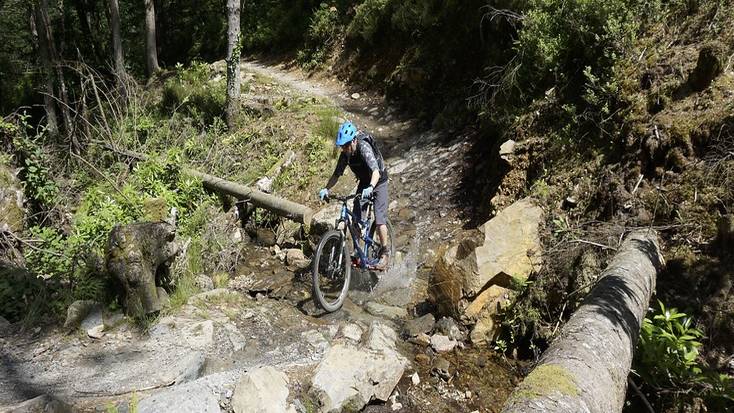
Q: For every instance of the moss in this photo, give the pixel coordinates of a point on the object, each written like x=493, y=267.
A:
x=155, y=209
x=546, y=380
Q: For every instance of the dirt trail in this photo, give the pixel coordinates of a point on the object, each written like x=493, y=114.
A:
x=210, y=342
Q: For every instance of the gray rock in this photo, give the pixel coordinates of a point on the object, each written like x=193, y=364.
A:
x=180, y=399
x=450, y=328
x=78, y=311
x=352, y=331
x=441, y=368
x=386, y=311
x=296, y=258
x=419, y=325
x=204, y=283
x=40, y=404
x=350, y=376
x=264, y=390
x=507, y=149
x=324, y=220
x=442, y=344
x=381, y=338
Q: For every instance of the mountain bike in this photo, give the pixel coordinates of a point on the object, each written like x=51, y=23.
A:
x=332, y=264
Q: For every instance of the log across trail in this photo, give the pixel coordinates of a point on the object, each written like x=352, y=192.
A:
x=280, y=206
x=585, y=369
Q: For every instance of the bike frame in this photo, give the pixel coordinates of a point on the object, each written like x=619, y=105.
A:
x=347, y=217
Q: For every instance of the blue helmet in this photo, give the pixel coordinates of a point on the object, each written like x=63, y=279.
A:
x=347, y=132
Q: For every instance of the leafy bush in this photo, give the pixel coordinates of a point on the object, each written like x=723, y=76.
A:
x=191, y=92
x=34, y=172
x=368, y=17
x=323, y=32
x=668, y=348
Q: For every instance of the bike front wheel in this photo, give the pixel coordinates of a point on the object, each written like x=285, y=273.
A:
x=331, y=271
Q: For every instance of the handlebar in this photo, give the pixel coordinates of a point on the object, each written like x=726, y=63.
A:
x=345, y=198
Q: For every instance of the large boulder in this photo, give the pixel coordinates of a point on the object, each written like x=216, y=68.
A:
x=12, y=213
x=43, y=403
x=324, y=220
x=472, y=279
x=139, y=255
x=349, y=377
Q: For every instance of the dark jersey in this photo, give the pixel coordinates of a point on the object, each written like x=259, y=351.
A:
x=363, y=162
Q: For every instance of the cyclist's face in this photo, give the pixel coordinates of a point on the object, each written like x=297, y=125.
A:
x=348, y=148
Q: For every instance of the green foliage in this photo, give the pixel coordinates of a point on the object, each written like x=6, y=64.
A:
x=34, y=171
x=668, y=348
x=192, y=92
x=323, y=32
x=367, y=19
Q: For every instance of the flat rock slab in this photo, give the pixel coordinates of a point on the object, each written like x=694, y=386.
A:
x=181, y=399
x=263, y=390
x=386, y=311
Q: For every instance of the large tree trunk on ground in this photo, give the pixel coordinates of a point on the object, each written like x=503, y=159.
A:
x=117, y=43
x=139, y=255
x=233, y=61
x=279, y=206
x=585, y=369
x=151, y=49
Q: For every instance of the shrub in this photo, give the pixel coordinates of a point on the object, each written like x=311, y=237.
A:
x=368, y=18
x=191, y=92
x=323, y=31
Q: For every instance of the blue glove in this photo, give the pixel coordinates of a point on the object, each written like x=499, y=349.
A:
x=367, y=192
x=323, y=194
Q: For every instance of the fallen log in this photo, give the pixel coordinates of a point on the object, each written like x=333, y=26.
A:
x=281, y=207
x=585, y=369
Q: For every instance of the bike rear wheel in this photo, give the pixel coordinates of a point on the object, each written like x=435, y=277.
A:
x=331, y=271
x=373, y=252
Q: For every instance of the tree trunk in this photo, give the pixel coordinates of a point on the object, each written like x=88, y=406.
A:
x=117, y=43
x=43, y=36
x=279, y=206
x=151, y=51
x=233, y=61
x=585, y=369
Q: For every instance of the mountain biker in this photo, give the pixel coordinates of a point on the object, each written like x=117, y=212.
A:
x=364, y=159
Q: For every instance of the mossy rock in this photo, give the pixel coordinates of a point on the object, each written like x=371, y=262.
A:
x=12, y=214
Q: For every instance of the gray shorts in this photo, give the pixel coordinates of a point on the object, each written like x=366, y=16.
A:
x=380, y=205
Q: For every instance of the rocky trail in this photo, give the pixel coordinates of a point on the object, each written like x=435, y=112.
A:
x=261, y=342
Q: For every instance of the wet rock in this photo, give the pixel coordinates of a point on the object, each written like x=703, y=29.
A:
x=442, y=343
x=352, y=331
x=419, y=325
x=450, y=328
x=204, y=282
x=415, y=379
x=263, y=390
x=441, y=368
x=265, y=237
x=709, y=65
x=139, y=256
x=352, y=376
x=422, y=359
x=40, y=404
x=356, y=96
x=296, y=258
x=421, y=339
x=570, y=203
x=12, y=214
x=386, y=311
x=509, y=251
x=188, y=398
